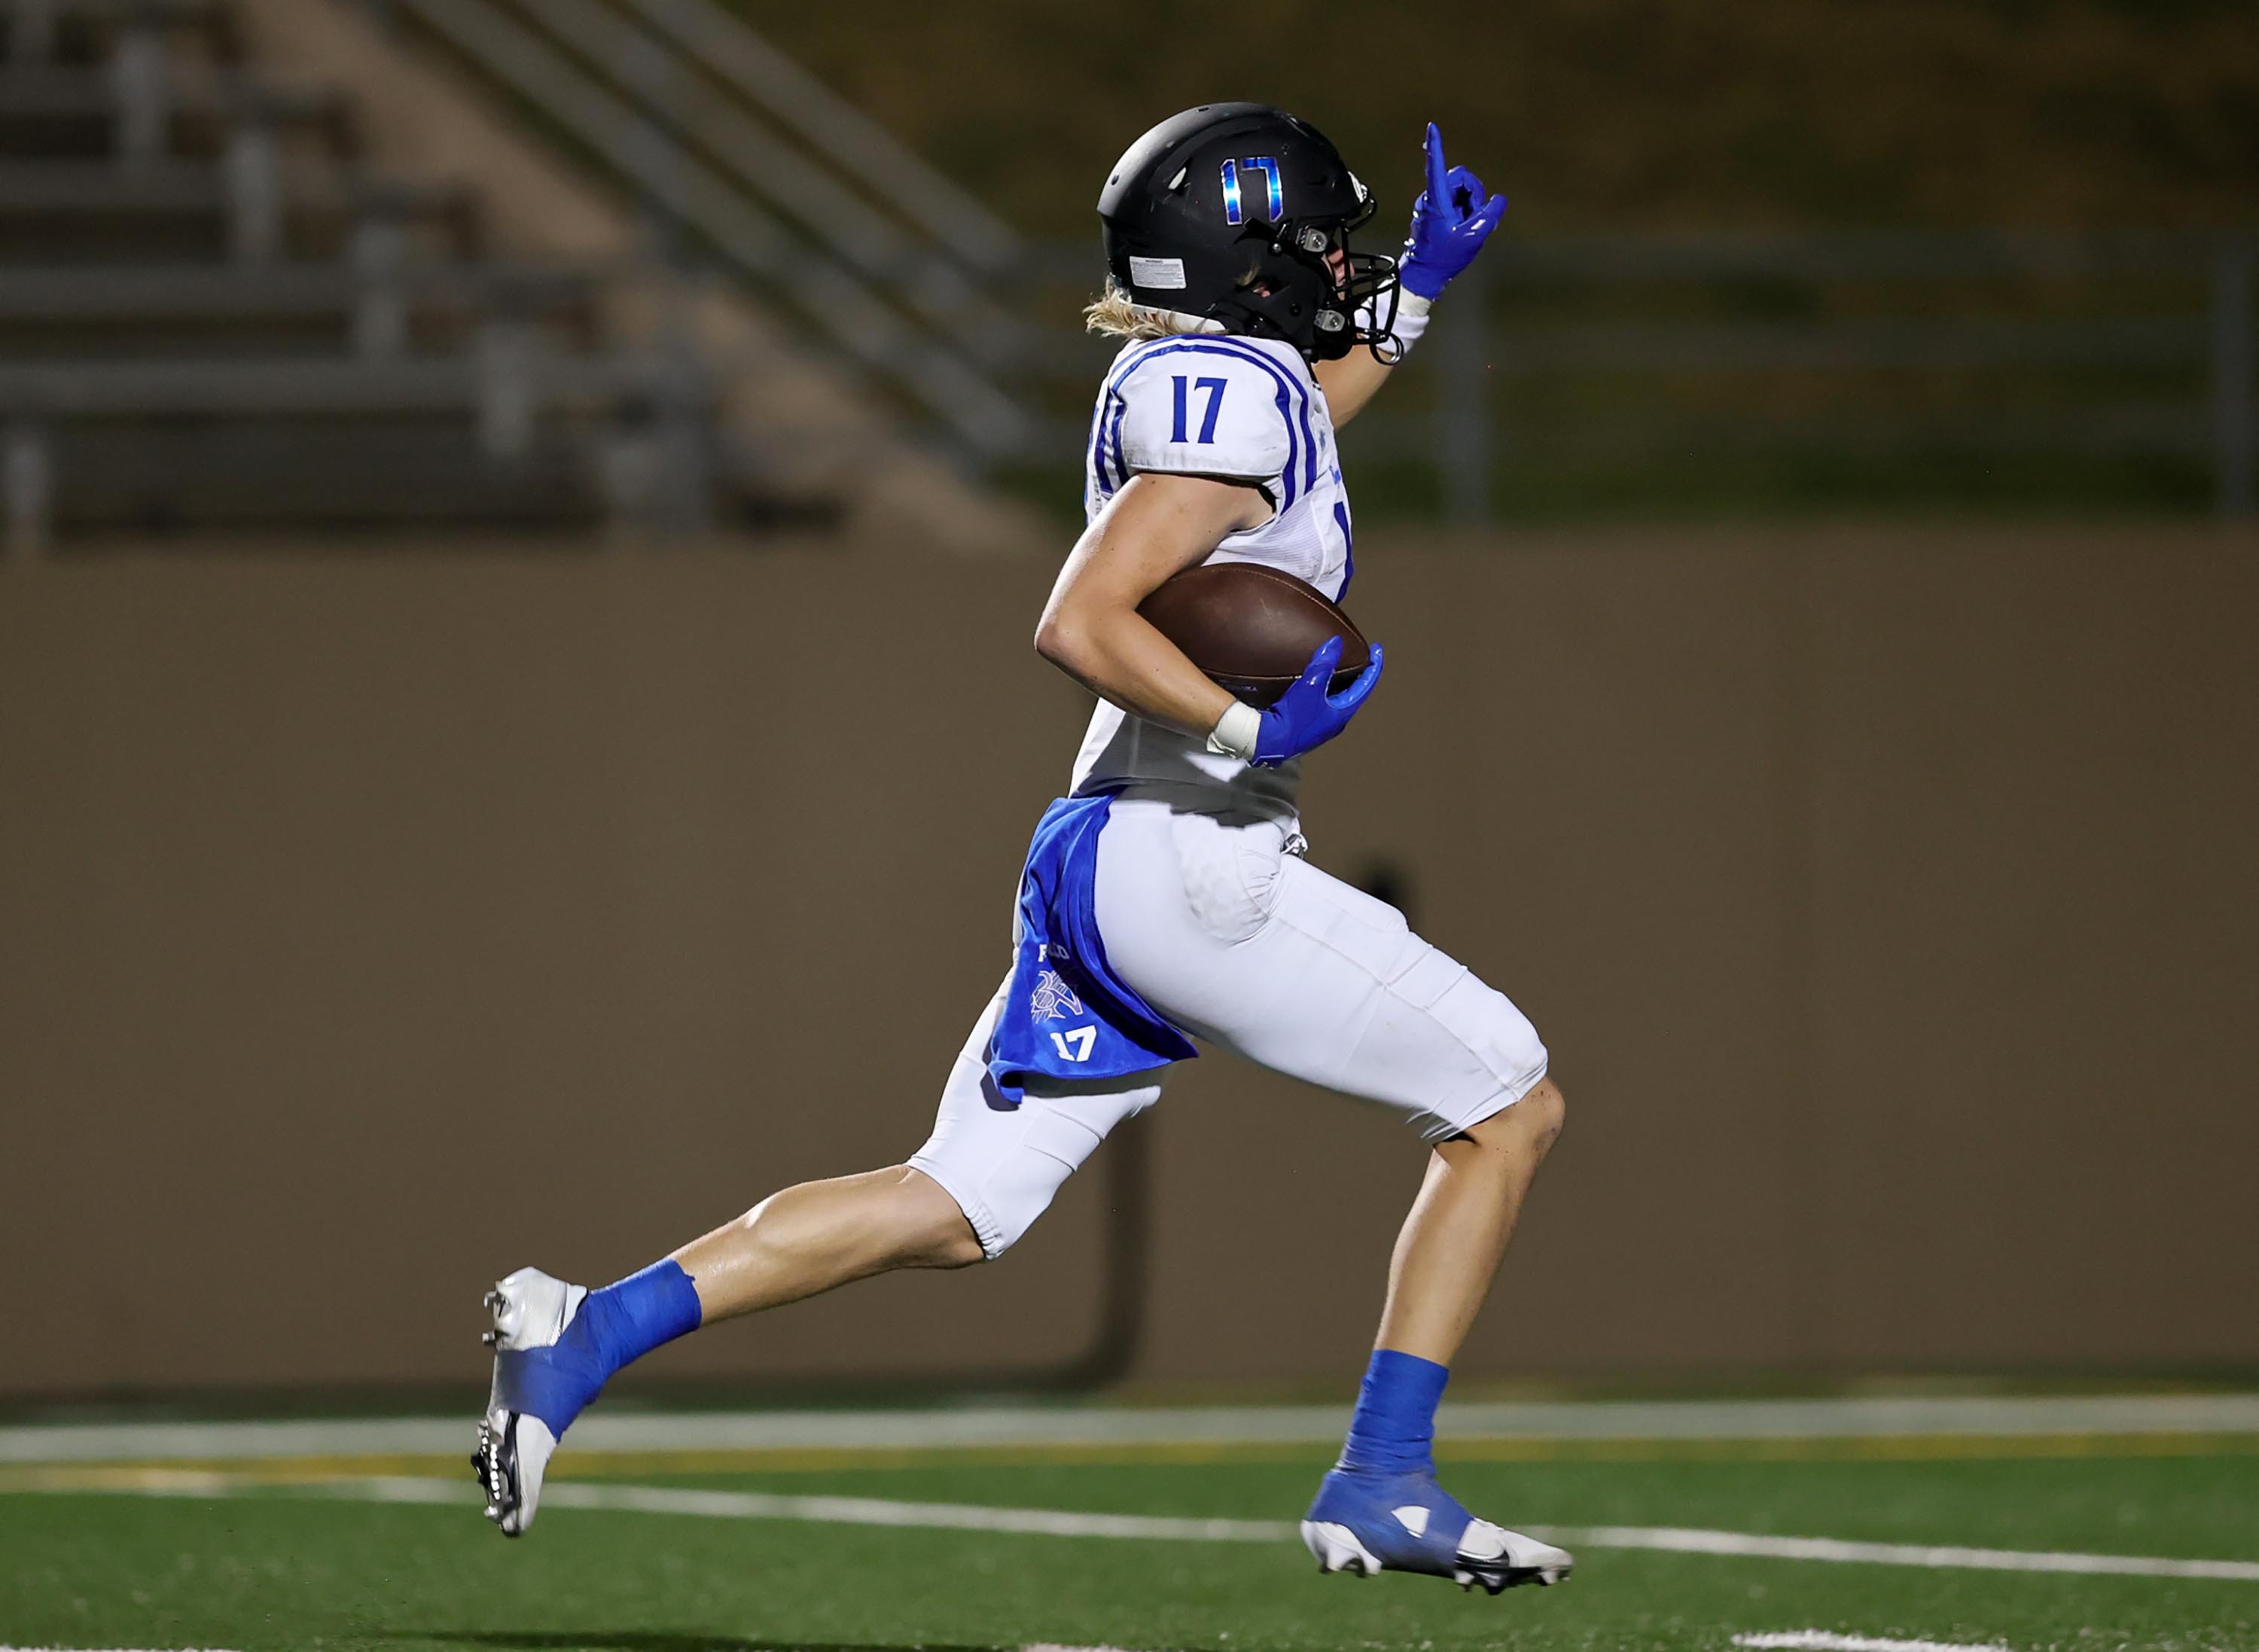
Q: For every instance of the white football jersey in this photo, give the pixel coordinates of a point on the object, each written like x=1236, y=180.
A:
x=1247, y=410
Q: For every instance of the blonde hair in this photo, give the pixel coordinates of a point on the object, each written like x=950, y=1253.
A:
x=1118, y=316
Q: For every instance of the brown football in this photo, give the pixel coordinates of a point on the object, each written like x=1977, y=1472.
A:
x=1252, y=629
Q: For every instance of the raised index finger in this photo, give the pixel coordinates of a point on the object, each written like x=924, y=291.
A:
x=1438, y=188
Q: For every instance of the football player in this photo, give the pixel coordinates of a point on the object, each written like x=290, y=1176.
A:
x=1167, y=896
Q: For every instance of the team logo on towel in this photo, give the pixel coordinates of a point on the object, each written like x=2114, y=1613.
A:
x=1053, y=999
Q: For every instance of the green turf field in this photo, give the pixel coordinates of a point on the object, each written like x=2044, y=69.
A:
x=278, y=1566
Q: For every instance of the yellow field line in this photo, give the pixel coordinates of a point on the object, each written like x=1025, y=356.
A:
x=1943, y=1448
x=589, y=1464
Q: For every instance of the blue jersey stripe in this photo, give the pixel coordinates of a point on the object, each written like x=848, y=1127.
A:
x=1092, y=455
x=1104, y=428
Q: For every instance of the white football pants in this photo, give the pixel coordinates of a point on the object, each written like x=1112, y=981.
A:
x=1242, y=944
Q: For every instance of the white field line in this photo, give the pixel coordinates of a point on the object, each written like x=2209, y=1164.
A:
x=1827, y=1641
x=1943, y=1557
x=970, y=1517
x=1068, y=1426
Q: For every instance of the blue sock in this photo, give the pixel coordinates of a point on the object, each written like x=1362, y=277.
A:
x=616, y=1324
x=1393, y=1428
x=623, y=1321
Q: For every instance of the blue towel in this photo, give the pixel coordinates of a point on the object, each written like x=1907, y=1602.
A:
x=1066, y=1014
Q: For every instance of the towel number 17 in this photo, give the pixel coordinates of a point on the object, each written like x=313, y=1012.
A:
x=1074, y=1045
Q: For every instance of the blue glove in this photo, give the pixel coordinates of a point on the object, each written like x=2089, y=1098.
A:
x=1451, y=221
x=1306, y=716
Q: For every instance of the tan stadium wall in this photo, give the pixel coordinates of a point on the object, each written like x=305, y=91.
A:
x=371, y=925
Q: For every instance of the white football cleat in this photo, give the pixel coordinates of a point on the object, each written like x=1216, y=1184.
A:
x=1488, y=1555
x=530, y=1312
x=1337, y=1549
x=1365, y=1524
x=1498, y=1559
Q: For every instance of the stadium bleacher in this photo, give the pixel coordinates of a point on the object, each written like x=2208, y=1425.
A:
x=215, y=310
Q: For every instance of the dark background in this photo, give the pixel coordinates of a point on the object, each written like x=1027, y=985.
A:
x=1591, y=116
x=1817, y=566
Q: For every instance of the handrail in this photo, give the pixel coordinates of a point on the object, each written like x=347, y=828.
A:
x=983, y=418
x=1862, y=255
x=796, y=98
x=1993, y=324
x=824, y=201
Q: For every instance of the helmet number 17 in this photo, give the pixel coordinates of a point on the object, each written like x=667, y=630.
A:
x=1274, y=197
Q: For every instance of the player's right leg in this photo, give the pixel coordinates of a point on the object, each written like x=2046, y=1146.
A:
x=976, y=1186
x=1381, y=1507
x=1245, y=944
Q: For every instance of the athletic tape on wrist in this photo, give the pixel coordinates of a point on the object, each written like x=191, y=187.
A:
x=1411, y=320
x=1235, y=730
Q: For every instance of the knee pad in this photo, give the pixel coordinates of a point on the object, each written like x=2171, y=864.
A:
x=1478, y=1016
x=1023, y=1182
x=1503, y=1035
x=1484, y=1023
x=1006, y=1168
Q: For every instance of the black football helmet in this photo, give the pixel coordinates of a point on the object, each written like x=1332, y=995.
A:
x=1230, y=211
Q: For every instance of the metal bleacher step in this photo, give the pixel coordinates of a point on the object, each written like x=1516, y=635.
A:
x=525, y=436
x=86, y=31
x=214, y=315
x=56, y=211
x=145, y=477
x=53, y=111
x=100, y=312
x=474, y=384
x=154, y=477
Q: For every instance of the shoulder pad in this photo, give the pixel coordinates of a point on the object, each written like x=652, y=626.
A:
x=1208, y=405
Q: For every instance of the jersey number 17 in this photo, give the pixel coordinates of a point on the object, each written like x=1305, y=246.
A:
x=1213, y=388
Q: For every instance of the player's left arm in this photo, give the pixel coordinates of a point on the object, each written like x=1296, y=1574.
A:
x=1157, y=526
x=1452, y=218
x=1350, y=382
